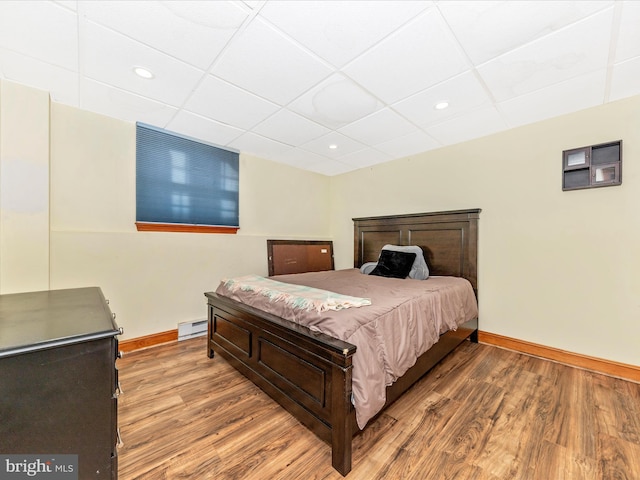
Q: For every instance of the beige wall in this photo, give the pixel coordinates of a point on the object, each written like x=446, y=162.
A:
x=555, y=268
x=156, y=280
x=24, y=189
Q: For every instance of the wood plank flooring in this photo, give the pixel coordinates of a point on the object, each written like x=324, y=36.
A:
x=482, y=414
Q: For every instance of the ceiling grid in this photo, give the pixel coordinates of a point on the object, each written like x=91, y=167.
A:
x=326, y=86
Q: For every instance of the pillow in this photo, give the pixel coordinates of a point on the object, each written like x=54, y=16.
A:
x=394, y=264
x=367, y=267
x=419, y=270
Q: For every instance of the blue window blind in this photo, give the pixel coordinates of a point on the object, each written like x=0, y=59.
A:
x=182, y=181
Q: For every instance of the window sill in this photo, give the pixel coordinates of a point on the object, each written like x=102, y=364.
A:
x=175, y=227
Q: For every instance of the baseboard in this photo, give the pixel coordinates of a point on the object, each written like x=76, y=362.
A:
x=148, y=340
x=607, y=367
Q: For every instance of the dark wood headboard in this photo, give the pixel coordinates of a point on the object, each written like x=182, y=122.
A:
x=299, y=256
x=449, y=240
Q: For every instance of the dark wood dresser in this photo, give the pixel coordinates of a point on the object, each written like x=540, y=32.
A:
x=58, y=378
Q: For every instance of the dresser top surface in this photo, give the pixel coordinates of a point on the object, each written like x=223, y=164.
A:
x=36, y=320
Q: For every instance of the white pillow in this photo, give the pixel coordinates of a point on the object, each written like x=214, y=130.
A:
x=419, y=270
x=368, y=267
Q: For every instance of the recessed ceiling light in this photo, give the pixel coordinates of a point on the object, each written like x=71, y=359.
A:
x=333, y=146
x=143, y=72
x=441, y=105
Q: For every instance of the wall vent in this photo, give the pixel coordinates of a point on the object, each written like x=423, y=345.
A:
x=195, y=328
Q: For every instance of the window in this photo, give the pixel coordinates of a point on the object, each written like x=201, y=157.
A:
x=183, y=184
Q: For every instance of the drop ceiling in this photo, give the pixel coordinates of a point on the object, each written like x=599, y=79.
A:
x=326, y=86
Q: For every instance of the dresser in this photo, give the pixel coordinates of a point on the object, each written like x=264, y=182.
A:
x=58, y=378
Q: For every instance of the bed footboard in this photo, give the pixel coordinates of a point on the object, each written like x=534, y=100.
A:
x=308, y=373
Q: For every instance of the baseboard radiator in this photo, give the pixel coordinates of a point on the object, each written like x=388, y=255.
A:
x=195, y=328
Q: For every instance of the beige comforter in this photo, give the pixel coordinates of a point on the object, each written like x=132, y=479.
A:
x=405, y=318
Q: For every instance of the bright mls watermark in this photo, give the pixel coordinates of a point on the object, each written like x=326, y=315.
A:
x=45, y=467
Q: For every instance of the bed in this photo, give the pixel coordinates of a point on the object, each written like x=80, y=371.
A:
x=311, y=373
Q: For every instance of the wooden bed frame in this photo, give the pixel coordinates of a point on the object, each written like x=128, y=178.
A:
x=309, y=373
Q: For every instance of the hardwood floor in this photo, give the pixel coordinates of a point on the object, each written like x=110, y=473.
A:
x=482, y=414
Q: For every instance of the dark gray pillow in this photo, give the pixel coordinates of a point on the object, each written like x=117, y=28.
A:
x=419, y=271
x=394, y=264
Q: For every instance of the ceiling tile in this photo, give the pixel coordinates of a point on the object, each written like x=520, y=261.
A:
x=253, y=4
x=203, y=129
x=624, y=81
x=259, y=146
x=417, y=56
x=576, y=50
x=365, y=158
x=44, y=30
x=487, y=29
x=628, y=45
x=558, y=99
x=290, y=128
x=262, y=60
x=379, y=127
x=110, y=57
x=306, y=160
x=172, y=27
x=335, y=102
x=225, y=103
x=107, y=100
x=61, y=84
x=468, y=126
x=70, y=4
x=462, y=93
x=340, y=31
x=297, y=157
x=408, y=145
x=344, y=145
x=330, y=167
